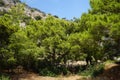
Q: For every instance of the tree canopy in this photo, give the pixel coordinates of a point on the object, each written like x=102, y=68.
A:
x=53, y=41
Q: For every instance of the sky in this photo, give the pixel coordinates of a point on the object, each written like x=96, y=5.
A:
x=62, y=8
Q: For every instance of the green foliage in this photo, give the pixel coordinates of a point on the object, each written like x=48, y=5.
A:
x=17, y=12
x=4, y=77
x=45, y=45
x=38, y=17
x=54, y=71
x=46, y=72
x=93, y=70
x=109, y=6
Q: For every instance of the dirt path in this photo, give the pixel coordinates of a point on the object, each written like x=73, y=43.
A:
x=112, y=72
x=52, y=78
x=32, y=76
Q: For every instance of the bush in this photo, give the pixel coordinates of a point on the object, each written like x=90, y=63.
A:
x=46, y=72
x=54, y=71
x=93, y=70
x=109, y=61
x=38, y=17
x=4, y=77
x=98, y=70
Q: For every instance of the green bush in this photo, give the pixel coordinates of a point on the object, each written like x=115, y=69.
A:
x=38, y=17
x=98, y=70
x=54, y=71
x=93, y=70
x=46, y=72
x=3, y=77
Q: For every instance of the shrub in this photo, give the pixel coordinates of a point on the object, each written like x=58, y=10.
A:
x=98, y=70
x=93, y=70
x=38, y=17
x=54, y=71
x=46, y=72
x=4, y=77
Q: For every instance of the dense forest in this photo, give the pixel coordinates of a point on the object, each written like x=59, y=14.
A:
x=46, y=45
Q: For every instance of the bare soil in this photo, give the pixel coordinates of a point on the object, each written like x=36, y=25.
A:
x=111, y=72
x=33, y=76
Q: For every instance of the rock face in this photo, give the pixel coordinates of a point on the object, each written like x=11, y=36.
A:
x=12, y=2
x=5, y=5
x=34, y=13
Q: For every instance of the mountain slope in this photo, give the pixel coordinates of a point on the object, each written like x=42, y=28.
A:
x=5, y=5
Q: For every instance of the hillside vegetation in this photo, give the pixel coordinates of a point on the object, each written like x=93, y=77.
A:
x=46, y=45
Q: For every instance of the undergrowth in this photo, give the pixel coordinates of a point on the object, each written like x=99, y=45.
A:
x=4, y=77
x=93, y=70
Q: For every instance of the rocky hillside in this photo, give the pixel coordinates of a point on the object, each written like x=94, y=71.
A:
x=5, y=5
